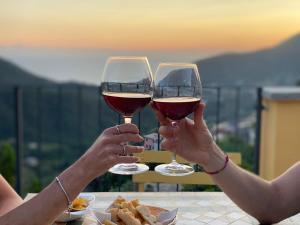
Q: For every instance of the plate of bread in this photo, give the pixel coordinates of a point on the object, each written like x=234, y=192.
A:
x=123, y=212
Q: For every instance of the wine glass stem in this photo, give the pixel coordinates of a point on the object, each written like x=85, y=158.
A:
x=127, y=119
x=174, y=157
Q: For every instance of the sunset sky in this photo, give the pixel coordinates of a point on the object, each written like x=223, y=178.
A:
x=152, y=25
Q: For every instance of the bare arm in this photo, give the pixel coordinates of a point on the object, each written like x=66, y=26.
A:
x=104, y=153
x=9, y=199
x=47, y=205
x=269, y=202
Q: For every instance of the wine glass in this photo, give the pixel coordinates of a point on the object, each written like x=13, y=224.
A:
x=126, y=86
x=177, y=92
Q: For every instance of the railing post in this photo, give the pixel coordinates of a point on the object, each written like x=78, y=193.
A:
x=19, y=137
x=237, y=111
x=139, y=121
x=218, y=113
x=40, y=130
x=259, y=108
x=60, y=115
x=158, y=136
x=79, y=108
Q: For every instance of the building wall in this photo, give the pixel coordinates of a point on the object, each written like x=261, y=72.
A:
x=280, y=137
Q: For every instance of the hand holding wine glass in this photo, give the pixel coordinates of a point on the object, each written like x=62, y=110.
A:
x=177, y=92
x=190, y=139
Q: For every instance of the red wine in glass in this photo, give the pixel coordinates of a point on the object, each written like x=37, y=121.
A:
x=176, y=108
x=126, y=103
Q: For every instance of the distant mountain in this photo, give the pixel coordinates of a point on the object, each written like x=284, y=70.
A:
x=11, y=74
x=279, y=65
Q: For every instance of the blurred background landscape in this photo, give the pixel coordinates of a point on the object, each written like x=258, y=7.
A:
x=54, y=52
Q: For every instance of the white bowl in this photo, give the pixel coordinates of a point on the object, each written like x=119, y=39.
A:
x=66, y=216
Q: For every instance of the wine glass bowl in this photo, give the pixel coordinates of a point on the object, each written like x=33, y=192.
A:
x=177, y=92
x=126, y=87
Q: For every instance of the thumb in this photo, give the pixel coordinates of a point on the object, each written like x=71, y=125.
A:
x=198, y=114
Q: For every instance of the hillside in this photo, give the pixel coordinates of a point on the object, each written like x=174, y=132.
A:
x=279, y=65
x=11, y=74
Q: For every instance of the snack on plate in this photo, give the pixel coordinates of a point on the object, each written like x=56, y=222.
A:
x=130, y=207
x=147, y=216
x=128, y=217
x=107, y=222
x=114, y=214
x=79, y=204
x=118, y=202
x=132, y=213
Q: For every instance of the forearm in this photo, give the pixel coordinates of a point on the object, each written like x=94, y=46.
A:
x=251, y=193
x=47, y=205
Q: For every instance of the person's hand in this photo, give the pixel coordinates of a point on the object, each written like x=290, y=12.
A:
x=190, y=139
x=109, y=149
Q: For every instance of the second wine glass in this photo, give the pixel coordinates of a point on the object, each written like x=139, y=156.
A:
x=177, y=92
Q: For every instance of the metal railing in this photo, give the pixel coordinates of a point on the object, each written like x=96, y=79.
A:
x=79, y=97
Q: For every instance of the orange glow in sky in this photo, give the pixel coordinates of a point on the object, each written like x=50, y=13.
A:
x=156, y=24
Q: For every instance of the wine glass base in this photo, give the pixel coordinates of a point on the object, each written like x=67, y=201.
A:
x=174, y=169
x=129, y=169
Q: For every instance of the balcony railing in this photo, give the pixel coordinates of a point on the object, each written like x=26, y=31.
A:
x=51, y=126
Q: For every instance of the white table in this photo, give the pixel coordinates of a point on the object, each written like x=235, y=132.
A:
x=195, y=208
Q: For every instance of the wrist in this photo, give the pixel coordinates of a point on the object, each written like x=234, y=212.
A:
x=74, y=179
x=84, y=170
x=216, y=159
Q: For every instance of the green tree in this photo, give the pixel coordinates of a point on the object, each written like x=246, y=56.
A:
x=235, y=144
x=34, y=184
x=8, y=163
x=298, y=83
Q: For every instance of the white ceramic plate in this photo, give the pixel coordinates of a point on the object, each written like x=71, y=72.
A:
x=66, y=216
x=101, y=216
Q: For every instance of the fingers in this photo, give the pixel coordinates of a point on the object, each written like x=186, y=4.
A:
x=126, y=149
x=169, y=144
x=161, y=118
x=123, y=128
x=126, y=137
x=198, y=114
x=127, y=159
x=168, y=131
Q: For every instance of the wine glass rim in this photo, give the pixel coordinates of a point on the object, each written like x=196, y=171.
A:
x=177, y=64
x=127, y=57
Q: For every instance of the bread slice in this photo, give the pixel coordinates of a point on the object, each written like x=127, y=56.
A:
x=128, y=217
x=130, y=207
x=114, y=214
x=146, y=214
x=107, y=222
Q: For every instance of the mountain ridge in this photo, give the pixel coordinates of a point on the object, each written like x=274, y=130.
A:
x=12, y=74
x=278, y=65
